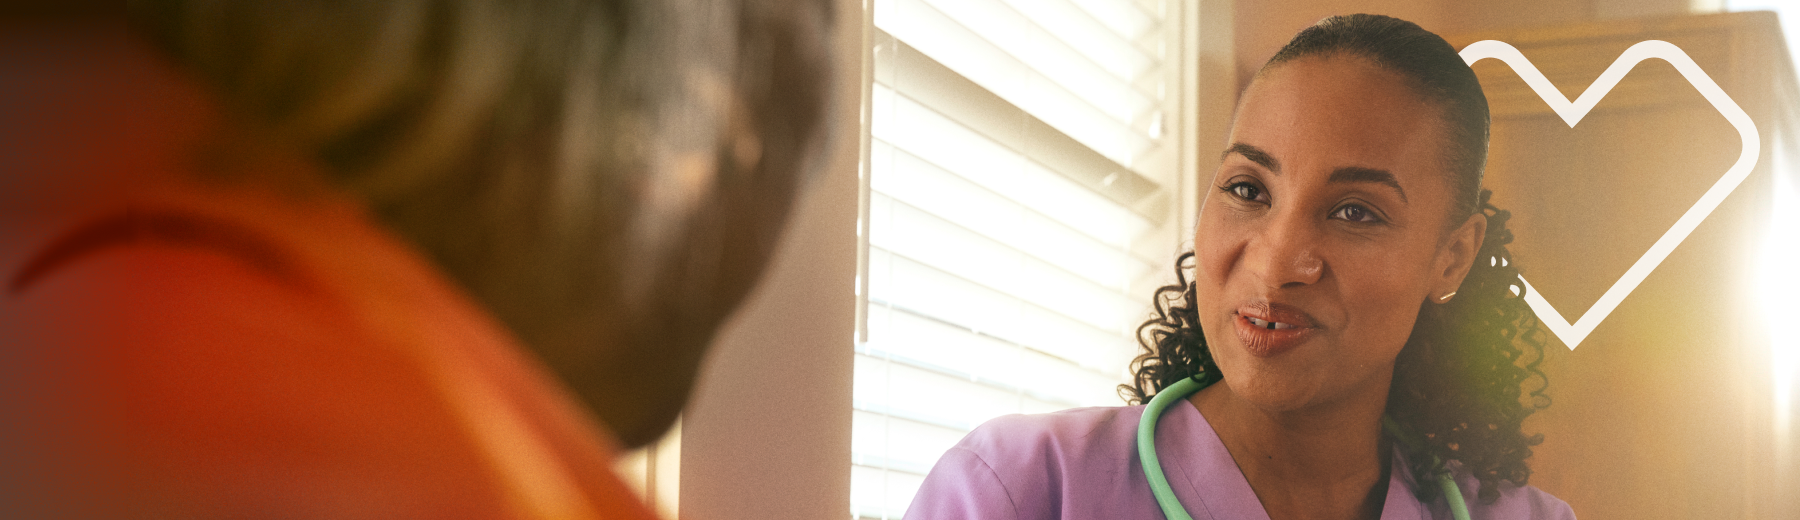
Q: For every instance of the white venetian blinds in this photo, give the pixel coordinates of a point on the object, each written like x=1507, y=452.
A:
x=1020, y=211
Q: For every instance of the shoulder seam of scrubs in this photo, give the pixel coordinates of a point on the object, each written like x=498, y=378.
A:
x=1010, y=500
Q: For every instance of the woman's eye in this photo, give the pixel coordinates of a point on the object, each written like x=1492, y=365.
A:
x=1355, y=213
x=1246, y=191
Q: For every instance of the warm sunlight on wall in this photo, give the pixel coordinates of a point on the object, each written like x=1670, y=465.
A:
x=1779, y=286
x=1670, y=409
x=1776, y=282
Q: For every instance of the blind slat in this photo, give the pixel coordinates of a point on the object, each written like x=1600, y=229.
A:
x=883, y=494
x=1123, y=17
x=911, y=180
x=946, y=144
x=1104, y=47
x=1081, y=104
x=1009, y=212
x=929, y=344
x=907, y=284
x=1057, y=384
x=931, y=84
x=944, y=246
x=930, y=397
x=871, y=433
x=998, y=24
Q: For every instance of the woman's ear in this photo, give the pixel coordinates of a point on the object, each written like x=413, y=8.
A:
x=1457, y=256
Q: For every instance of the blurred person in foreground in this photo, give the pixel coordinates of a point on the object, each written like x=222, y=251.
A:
x=379, y=259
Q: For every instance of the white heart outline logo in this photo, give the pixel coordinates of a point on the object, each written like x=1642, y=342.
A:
x=1572, y=112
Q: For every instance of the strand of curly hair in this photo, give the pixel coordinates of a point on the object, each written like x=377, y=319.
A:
x=1459, y=383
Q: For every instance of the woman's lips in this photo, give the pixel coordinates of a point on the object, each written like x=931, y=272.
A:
x=1269, y=329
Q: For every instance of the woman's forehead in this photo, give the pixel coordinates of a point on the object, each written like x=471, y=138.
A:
x=1327, y=112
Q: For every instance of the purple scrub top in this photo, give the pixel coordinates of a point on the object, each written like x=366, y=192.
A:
x=1083, y=464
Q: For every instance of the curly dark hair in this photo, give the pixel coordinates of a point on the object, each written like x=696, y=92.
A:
x=1459, y=388
x=1459, y=384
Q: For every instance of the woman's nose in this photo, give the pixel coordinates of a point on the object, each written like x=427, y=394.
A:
x=1286, y=253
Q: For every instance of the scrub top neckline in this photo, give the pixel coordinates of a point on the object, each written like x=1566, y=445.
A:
x=1202, y=456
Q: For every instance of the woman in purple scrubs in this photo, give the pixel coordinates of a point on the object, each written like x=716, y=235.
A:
x=1347, y=267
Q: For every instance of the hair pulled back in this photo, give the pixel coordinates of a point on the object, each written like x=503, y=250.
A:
x=1460, y=383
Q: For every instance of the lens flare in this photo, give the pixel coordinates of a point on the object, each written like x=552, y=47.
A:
x=1779, y=287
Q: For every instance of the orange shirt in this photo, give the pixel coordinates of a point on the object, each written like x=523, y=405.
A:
x=174, y=348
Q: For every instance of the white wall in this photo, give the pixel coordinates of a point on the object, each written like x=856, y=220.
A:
x=767, y=435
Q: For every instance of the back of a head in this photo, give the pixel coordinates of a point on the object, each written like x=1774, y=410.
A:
x=608, y=177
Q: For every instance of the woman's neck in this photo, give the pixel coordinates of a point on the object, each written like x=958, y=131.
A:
x=1328, y=461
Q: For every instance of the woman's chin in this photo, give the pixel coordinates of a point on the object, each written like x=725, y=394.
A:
x=1271, y=393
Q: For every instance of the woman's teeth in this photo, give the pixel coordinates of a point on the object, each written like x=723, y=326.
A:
x=1271, y=325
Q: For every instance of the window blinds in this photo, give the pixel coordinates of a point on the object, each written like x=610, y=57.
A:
x=1019, y=209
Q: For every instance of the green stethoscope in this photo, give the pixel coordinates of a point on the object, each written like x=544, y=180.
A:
x=1159, y=485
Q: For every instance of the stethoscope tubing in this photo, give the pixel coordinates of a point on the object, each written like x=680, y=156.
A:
x=1178, y=392
x=1146, y=445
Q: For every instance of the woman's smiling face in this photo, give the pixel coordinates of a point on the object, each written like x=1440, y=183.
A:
x=1324, y=230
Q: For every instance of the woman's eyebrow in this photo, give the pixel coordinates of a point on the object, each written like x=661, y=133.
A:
x=1358, y=174
x=1254, y=154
